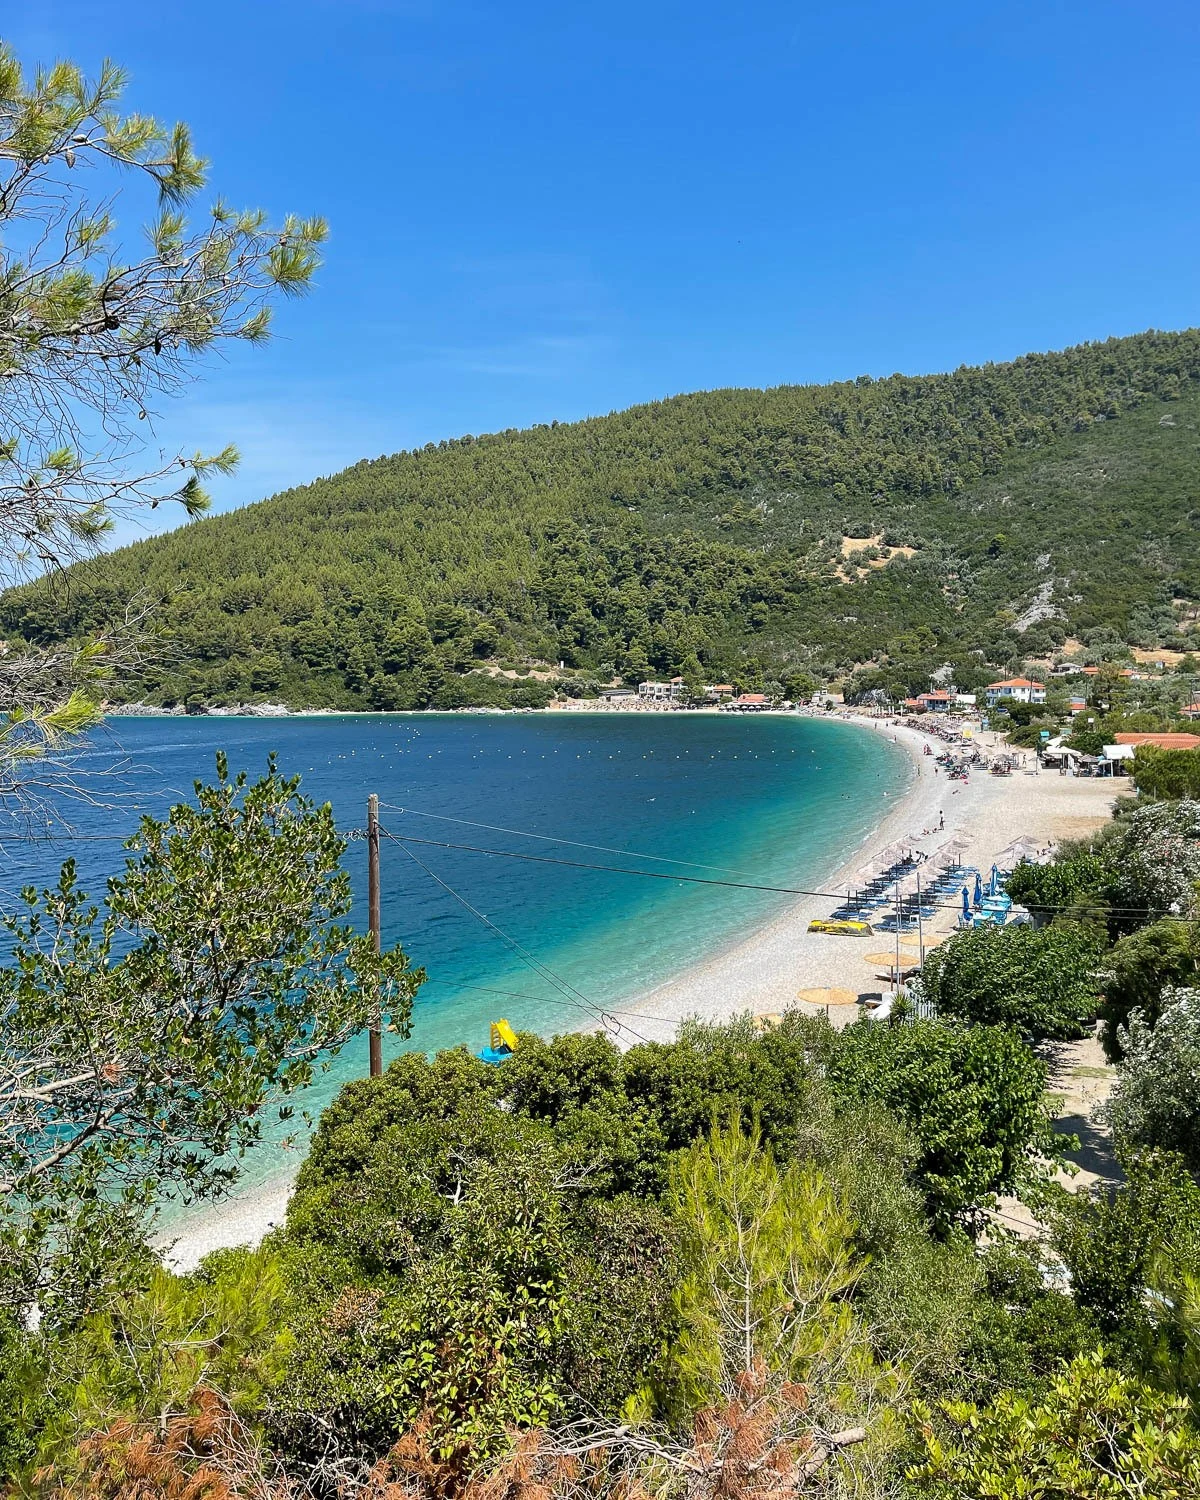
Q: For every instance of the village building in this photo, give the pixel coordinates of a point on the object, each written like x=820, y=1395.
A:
x=662, y=692
x=1160, y=741
x=1015, y=690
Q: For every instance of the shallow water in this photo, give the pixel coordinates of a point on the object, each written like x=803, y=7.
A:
x=771, y=800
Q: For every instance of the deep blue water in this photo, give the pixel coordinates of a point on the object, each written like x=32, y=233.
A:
x=773, y=800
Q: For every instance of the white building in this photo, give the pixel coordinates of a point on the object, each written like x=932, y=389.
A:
x=662, y=692
x=1015, y=690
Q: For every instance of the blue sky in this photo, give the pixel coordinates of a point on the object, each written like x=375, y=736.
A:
x=546, y=211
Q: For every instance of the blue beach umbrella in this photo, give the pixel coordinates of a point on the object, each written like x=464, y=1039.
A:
x=992, y=886
x=978, y=890
x=966, y=903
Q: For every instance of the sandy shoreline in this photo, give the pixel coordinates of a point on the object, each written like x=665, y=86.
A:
x=763, y=971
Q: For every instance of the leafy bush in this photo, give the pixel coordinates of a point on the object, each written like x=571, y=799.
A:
x=1020, y=1328
x=1093, y=1434
x=1043, y=983
x=456, y=1266
x=973, y=1098
x=1167, y=773
x=1156, y=1101
x=1142, y=967
x=1156, y=863
x=1078, y=877
x=1114, y=1242
x=632, y=1110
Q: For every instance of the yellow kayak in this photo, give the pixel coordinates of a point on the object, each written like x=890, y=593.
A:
x=845, y=927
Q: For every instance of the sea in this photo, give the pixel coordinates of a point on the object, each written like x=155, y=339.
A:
x=554, y=866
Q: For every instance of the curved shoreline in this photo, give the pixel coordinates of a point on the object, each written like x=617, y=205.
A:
x=245, y=1216
x=761, y=969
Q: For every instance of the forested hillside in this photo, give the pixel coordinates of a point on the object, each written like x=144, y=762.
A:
x=708, y=535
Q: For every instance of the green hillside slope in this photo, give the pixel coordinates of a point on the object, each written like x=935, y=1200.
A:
x=704, y=534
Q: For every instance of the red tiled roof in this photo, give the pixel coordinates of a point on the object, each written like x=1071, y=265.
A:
x=1160, y=741
x=1017, y=682
x=753, y=698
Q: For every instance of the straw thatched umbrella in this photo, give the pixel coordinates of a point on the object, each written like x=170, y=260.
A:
x=908, y=959
x=827, y=997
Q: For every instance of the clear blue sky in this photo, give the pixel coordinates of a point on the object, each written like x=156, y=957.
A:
x=544, y=211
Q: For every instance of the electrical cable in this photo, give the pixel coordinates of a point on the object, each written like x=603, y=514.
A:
x=548, y=838
x=776, y=890
x=564, y=987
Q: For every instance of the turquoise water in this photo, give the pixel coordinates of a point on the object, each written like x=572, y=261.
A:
x=774, y=800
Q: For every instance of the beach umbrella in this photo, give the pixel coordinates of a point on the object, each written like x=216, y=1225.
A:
x=992, y=887
x=966, y=902
x=827, y=997
x=978, y=889
x=887, y=960
x=935, y=939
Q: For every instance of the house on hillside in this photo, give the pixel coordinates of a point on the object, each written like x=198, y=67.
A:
x=662, y=692
x=1015, y=690
x=719, y=692
x=751, y=702
x=1076, y=706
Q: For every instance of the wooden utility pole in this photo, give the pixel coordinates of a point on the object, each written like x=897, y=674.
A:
x=376, y=1029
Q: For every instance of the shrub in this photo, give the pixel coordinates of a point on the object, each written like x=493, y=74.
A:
x=1112, y=1242
x=1144, y=965
x=973, y=1098
x=1156, y=1102
x=1041, y=982
x=1094, y=1433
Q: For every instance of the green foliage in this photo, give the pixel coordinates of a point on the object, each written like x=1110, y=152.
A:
x=973, y=1099
x=632, y=1110
x=140, y=1043
x=1114, y=1242
x=703, y=531
x=1091, y=1434
x=145, y=1355
x=1043, y=983
x=1167, y=773
x=769, y=1265
x=1155, y=863
x=761, y=1248
x=455, y=1267
x=1156, y=1101
x=1143, y=966
x=1077, y=877
x=1020, y=1329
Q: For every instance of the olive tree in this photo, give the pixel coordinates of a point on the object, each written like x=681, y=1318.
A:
x=145, y=1037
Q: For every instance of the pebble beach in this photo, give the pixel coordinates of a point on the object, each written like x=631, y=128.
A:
x=763, y=971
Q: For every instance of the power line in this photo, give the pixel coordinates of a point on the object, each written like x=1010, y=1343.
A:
x=548, y=838
x=741, y=885
x=567, y=990
x=1098, y=909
